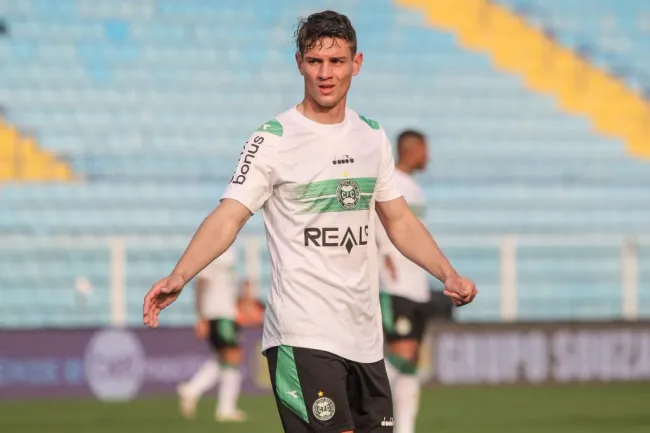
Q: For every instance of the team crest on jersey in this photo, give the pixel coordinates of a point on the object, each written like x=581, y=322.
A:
x=348, y=194
x=323, y=408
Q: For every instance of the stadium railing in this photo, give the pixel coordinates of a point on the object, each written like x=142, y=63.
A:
x=78, y=281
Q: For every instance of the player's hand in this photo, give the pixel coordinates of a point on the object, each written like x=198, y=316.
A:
x=249, y=311
x=460, y=290
x=201, y=329
x=390, y=268
x=161, y=295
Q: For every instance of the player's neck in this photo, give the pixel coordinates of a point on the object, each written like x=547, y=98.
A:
x=404, y=168
x=318, y=114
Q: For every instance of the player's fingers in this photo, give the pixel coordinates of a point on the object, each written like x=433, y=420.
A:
x=148, y=316
x=166, y=302
x=452, y=295
x=149, y=302
x=455, y=297
x=153, y=316
x=150, y=297
x=154, y=308
x=472, y=293
x=157, y=316
x=146, y=312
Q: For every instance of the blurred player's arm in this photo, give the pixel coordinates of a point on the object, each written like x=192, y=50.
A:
x=201, y=284
x=246, y=289
x=201, y=327
x=250, y=311
x=384, y=246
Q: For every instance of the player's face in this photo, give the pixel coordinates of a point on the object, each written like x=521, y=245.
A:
x=419, y=154
x=328, y=69
x=423, y=157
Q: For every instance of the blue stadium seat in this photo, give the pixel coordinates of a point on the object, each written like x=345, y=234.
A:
x=151, y=101
x=615, y=32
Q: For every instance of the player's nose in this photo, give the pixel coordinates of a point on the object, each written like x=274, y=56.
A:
x=325, y=71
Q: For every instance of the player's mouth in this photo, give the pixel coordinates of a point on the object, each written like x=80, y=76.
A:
x=326, y=89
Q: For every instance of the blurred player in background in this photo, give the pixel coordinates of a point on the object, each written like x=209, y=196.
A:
x=406, y=294
x=220, y=314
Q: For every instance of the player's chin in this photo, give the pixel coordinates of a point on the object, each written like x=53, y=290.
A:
x=328, y=101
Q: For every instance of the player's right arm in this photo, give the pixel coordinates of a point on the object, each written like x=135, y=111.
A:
x=248, y=190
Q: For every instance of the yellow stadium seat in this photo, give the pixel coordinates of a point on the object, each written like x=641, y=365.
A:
x=546, y=66
x=22, y=159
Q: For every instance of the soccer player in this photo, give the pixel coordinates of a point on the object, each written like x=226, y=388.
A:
x=318, y=172
x=406, y=293
x=216, y=305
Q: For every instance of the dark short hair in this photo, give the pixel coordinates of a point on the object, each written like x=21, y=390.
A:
x=327, y=24
x=405, y=135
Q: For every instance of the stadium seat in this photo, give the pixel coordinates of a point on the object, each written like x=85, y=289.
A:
x=150, y=102
x=21, y=159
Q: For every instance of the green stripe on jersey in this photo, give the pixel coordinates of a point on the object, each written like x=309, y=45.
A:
x=272, y=127
x=329, y=187
x=371, y=122
x=287, y=383
x=331, y=204
x=335, y=195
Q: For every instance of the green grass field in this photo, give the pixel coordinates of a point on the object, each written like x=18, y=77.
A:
x=569, y=409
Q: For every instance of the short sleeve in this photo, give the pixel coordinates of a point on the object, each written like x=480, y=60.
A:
x=254, y=178
x=386, y=189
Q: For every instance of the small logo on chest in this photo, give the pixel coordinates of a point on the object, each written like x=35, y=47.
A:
x=345, y=160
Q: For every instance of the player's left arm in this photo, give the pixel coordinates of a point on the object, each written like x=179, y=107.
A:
x=409, y=235
x=414, y=241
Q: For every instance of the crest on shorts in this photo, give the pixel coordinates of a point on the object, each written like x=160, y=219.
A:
x=348, y=194
x=323, y=408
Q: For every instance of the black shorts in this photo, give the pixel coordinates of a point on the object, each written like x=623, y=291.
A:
x=223, y=333
x=318, y=391
x=403, y=319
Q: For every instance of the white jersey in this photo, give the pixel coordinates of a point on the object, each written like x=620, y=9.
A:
x=411, y=281
x=317, y=186
x=219, y=298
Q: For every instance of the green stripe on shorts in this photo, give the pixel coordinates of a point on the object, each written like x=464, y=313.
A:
x=227, y=332
x=287, y=383
x=387, y=315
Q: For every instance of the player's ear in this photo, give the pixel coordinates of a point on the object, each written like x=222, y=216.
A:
x=299, y=63
x=357, y=61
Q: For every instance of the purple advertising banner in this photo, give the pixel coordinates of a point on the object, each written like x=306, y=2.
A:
x=112, y=364
x=123, y=364
x=536, y=353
